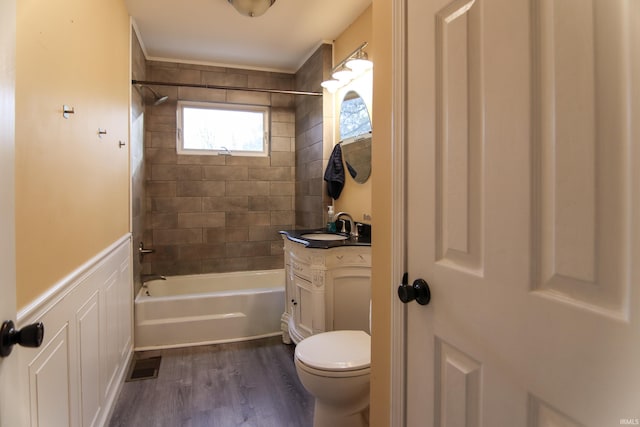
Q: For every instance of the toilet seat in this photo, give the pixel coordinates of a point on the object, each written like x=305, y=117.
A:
x=336, y=351
x=364, y=372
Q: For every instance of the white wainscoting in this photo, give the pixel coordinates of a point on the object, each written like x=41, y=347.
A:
x=74, y=377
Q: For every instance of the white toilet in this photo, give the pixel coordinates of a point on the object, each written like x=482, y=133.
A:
x=334, y=367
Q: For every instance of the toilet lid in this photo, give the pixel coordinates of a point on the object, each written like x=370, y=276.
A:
x=336, y=350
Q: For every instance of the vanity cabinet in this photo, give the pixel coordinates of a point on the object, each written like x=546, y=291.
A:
x=326, y=289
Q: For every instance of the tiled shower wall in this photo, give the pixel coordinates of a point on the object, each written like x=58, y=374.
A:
x=217, y=213
x=314, y=140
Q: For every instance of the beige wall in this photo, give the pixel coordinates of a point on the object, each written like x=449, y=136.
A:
x=382, y=281
x=358, y=32
x=355, y=198
x=72, y=187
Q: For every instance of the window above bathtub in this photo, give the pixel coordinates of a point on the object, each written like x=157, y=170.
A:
x=207, y=128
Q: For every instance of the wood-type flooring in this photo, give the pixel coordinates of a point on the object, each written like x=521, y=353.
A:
x=249, y=384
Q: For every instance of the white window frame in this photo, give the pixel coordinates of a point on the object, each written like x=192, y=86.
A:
x=265, y=110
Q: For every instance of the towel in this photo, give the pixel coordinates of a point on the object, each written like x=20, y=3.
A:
x=351, y=170
x=334, y=174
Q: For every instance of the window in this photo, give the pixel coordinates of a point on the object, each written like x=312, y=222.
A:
x=222, y=129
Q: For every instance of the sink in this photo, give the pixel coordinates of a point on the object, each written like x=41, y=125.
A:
x=324, y=236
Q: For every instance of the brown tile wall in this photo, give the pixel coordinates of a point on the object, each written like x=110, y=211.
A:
x=217, y=213
x=313, y=140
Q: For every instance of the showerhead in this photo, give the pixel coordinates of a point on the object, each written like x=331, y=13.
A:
x=159, y=99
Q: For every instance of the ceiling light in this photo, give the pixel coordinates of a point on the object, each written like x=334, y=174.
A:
x=348, y=69
x=252, y=8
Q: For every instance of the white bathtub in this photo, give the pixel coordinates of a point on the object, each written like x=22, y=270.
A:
x=209, y=308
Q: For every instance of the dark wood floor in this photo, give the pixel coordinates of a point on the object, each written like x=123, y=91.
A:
x=250, y=383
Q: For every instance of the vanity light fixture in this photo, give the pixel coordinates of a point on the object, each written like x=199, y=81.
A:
x=348, y=69
x=252, y=8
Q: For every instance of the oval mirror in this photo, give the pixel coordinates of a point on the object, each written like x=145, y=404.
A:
x=355, y=136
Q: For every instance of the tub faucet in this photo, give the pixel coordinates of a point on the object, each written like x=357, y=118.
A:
x=144, y=278
x=352, y=227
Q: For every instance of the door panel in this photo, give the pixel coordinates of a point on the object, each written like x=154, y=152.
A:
x=581, y=126
x=304, y=307
x=522, y=206
x=458, y=391
x=459, y=137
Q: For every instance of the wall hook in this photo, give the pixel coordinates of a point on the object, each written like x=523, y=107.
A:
x=66, y=110
x=101, y=132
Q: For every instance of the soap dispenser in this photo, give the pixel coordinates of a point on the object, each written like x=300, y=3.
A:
x=331, y=224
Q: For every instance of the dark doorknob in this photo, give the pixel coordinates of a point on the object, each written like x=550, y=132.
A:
x=29, y=336
x=418, y=291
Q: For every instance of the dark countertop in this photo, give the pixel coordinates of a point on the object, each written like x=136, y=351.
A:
x=296, y=236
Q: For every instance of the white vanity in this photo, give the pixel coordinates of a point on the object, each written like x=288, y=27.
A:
x=328, y=275
x=328, y=286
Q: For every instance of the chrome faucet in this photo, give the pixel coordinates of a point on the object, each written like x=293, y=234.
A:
x=352, y=227
x=142, y=251
x=144, y=278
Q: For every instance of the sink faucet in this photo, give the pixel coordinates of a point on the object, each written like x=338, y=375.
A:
x=144, y=278
x=352, y=227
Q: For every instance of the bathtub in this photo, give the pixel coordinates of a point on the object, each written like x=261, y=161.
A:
x=209, y=308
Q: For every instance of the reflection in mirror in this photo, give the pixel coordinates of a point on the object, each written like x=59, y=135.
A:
x=354, y=116
x=355, y=135
x=356, y=153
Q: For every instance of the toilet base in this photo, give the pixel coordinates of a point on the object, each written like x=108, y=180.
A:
x=324, y=416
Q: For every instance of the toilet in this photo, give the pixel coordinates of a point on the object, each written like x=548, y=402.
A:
x=334, y=367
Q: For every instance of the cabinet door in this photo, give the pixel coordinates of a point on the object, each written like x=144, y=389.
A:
x=303, y=306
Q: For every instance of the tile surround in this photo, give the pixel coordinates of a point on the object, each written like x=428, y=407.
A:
x=312, y=140
x=206, y=214
x=215, y=213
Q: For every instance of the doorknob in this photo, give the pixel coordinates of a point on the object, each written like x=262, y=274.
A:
x=418, y=291
x=29, y=336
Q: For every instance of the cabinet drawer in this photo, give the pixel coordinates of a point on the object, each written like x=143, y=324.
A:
x=299, y=267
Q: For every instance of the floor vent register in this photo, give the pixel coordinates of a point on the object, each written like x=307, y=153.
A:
x=144, y=369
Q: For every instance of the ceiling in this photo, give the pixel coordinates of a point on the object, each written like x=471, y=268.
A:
x=213, y=32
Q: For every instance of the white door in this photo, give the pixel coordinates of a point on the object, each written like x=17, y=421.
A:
x=8, y=366
x=523, y=205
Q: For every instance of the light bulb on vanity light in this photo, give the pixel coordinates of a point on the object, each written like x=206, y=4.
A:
x=331, y=85
x=343, y=74
x=359, y=63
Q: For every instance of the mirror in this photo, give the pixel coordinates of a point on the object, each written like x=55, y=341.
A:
x=355, y=136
